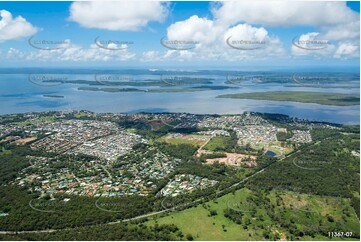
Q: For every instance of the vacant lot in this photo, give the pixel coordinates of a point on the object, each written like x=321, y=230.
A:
x=236, y=160
x=24, y=141
x=196, y=140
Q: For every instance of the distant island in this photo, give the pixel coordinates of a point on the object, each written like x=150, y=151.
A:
x=180, y=89
x=53, y=96
x=163, y=82
x=110, y=89
x=336, y=99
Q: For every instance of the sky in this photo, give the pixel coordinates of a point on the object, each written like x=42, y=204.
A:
x=242, y=35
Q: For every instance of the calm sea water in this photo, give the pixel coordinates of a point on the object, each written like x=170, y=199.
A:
x=18, y=94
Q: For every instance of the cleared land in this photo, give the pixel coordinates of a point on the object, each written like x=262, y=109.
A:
x=299, y=210
x=196, y=140
x=322, y=98
x=218, y=143
x=25, y=141
x=235, y=160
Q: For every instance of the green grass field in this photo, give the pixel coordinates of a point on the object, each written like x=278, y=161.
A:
x=217, y=143
x=80, y=115
x=41, y=119
x=195, y=221
x=300, y=210
x=185, y=140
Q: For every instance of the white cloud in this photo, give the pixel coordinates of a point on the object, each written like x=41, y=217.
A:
x=212, y=38
x=347, y=31
x=312, y=44
x=276, y=13
x=15, y=54
x=337, y=49
x=178, y=55
x=14, y=28
x=194, y=29
x=336, y=23
x=124, y=15
x=151, y=55
x=346, y=50
x=247, y=32
x=266, y=45
x=72, y=52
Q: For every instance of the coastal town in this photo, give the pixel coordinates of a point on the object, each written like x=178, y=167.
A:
x=97, y=155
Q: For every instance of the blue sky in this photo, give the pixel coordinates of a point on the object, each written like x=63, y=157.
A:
x=206, y=24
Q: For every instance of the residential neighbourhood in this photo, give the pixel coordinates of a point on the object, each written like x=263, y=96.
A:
x=112, y=166
x=185, y=182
